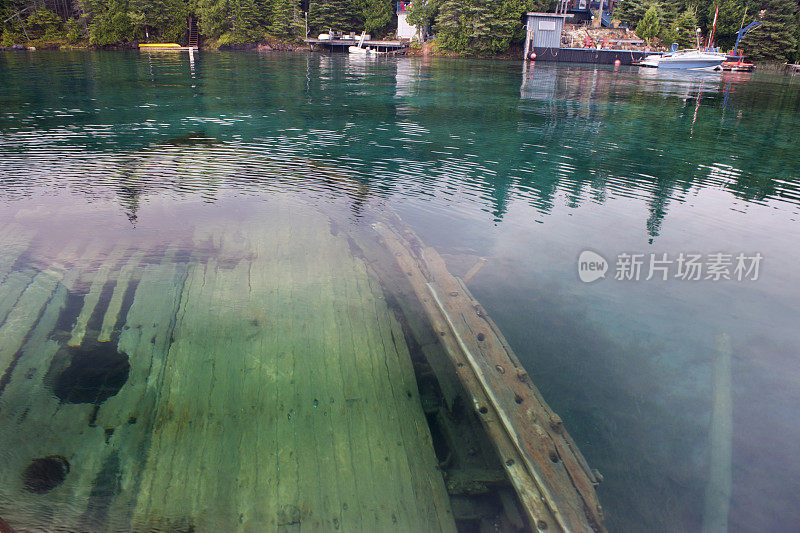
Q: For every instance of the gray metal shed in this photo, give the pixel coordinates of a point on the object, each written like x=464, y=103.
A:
x=544, y=30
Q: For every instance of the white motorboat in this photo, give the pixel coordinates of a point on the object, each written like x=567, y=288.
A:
x=360, y=48
x=693, y=59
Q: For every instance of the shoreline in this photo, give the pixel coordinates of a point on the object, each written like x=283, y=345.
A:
x=427, y=50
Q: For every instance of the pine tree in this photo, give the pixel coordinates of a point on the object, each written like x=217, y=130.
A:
x=245, y=23
x=283, y=21
x=213, y=16
x=729, y=20
x=340, y=15
x=670, y=10
x=110, y=22
x=630, y=12
x=423, y=13
x=165, y=19
x=685, y=30
x=775, y=40
x=796, y=57
x=377, y=15
x=450, y=27
x=650, y=25
x=479, y=26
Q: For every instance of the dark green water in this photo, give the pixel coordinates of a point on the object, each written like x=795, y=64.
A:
x=483, y=160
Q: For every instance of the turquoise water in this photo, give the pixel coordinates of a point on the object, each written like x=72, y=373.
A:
x=484, y=160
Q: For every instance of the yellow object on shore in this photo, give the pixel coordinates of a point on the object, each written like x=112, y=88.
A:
x=159, y=45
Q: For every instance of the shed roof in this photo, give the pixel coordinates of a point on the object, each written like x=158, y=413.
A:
x=559, y=15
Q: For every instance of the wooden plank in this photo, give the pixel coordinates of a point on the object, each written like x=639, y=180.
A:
x=312, y=459
x=316, y=403
x=338, y=430
x=427, y=483
x=145, y=337
x=393, y=509
x=25, y=313
x=115, y=304
x=90, y=300
x=14, y=242
x=262, y=454
x=28, y=407
x=289, y=514
x=12, y=288
x=361, y=453
x=269, y=388
x=720, y=479
x=162, y=501
x=557, y=470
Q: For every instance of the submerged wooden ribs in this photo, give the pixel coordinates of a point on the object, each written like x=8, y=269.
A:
x=551, y=477
x=269, y=389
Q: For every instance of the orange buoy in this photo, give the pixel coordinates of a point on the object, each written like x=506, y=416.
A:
x=617, y=62
x=533, y=55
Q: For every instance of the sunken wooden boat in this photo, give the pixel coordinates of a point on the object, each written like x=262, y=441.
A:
x=268, y=373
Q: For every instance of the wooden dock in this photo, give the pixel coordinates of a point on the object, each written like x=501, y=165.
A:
x=588, y=55
x=162, y=47
x=342, y=45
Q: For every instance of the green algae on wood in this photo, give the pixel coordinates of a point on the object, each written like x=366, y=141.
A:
x=269, y=388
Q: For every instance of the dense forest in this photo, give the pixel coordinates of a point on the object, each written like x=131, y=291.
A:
x=483, y=27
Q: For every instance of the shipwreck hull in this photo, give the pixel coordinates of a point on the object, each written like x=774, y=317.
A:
x=272, y=372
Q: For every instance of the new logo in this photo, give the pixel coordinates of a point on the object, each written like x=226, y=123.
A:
x=591, y=266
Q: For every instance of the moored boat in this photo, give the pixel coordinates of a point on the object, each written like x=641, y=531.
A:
x=693, y=59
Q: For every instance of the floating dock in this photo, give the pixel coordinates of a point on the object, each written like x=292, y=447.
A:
x=165, y=46
x=588, y=55
x=265, y=375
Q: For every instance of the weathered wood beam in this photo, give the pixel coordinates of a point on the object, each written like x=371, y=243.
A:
x=552, y=479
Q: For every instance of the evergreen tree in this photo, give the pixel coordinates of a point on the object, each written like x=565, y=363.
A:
x=463, y=26
x=110, y=22
x=165, y=20
x=650, y=25
x=729, y=20
x=244, y=21
x=284, y=21
x=340, y=15
x=479, y=26
x=775, y=40
x=44, y=24
x=423, y=13
x=796, y=58
x=450, y=28
x=630, y=12
x=377, y=14
x=685, y=30
x=670, y=10
x=213, y=15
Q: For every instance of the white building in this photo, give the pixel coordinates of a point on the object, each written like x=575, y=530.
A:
x=404, y=29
